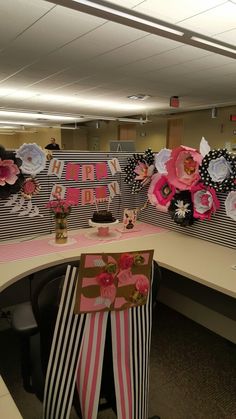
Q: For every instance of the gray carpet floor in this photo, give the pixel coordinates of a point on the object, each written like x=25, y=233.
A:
x=192, y=371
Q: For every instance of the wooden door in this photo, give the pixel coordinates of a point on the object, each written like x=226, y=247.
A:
x=174, y=133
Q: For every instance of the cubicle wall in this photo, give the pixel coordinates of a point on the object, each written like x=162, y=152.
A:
x=221, y=229
x=14, y=224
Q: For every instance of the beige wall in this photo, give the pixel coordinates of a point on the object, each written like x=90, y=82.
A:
x=103, y=135
x=218, y=132
x=9, y=141
x=41, y=136
x=74, y=139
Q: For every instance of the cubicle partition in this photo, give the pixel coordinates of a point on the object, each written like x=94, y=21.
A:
x=15, y=224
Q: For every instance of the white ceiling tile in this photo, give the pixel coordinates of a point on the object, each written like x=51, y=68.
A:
x=138, y=50
x=213, y=21
x=228, y=37
x=174, y=11
x=17, y=15
x=111, y=61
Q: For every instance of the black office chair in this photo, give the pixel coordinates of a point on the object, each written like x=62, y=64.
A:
x=34, y=321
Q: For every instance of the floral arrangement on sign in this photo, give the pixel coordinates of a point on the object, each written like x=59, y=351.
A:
x=17, y=178
x=113, y=281
x=184, y=181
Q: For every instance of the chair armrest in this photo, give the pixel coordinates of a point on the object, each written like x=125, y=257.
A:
x=23, y=320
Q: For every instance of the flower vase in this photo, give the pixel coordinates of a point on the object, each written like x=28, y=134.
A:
x=61, y=234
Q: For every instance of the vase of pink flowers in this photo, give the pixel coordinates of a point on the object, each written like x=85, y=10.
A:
x=60, y=209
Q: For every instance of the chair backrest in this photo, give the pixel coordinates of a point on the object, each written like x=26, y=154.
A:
x=46, y=290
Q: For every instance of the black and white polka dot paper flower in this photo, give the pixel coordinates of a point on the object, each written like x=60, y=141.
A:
x=218, y=170
x=139, y=170
x=181, y=208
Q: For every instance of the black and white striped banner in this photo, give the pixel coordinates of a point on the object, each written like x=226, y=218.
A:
x=77, y=352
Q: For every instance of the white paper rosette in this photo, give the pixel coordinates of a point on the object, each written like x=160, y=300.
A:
x=161, y=158
x=219, y=169
x=230, y=205
x=33, y=158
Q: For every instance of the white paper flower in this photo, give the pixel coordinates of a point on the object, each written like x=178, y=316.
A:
x=204, y=147
x=161, y=158
x=219, y=169
x=33, y=158
x=230, y=205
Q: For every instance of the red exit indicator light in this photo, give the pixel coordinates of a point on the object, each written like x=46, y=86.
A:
x=174, y=101
x=233, y=118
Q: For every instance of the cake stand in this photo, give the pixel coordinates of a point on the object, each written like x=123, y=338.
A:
x=103, y=229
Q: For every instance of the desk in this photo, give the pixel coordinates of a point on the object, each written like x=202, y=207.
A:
x=8, y=407
x=203, y=262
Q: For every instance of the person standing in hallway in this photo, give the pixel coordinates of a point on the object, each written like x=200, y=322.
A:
x=52, y=145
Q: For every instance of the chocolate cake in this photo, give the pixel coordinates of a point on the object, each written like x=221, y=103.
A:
x=103, y=216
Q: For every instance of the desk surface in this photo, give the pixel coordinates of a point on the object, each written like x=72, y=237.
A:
x=204, y=262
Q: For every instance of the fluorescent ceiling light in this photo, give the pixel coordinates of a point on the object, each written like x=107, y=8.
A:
x=213, y=44
x=36, y=115
x=17, y=123
x=129, y=16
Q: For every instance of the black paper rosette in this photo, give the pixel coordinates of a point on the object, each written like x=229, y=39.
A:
x=139, y=170
x=218, y=170
x=181, y=208
x=7, y=189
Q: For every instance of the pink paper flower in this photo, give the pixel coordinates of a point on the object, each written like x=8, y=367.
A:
x=126, y=261
x=142, y=284
x=105, y=279
x=143, y=171
x=8, y=172
x=205, y=201
x=160, y=192
x=109, y=292
x=29, y=188
x=183, y=167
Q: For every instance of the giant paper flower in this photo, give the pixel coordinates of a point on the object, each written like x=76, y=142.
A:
x=33, y=158
x=205, y=201
x=160, y=192
x=8, y=172
x=182, y=167
x=230, y=205
x=181, y=208
x=29, y=188
x=218, y=170
x=139, y=170
x=11, y=177
x=161, y=158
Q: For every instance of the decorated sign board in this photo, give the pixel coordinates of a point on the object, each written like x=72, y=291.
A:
x=113, y=281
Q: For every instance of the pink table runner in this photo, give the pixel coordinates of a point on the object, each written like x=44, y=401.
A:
x=31, y=248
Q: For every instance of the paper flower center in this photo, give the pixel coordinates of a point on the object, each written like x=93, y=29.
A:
x=189, y=165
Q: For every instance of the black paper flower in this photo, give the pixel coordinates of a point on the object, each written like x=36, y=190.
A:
x=139, y=170
x=181, y=208
x=218, y=170
x=7, y=189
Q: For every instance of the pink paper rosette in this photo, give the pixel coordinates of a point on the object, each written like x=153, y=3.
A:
x=29, y=188
x=160, y=192
x=182, y=167
x=8, y=172
x=11, y=177
x=205, y=201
